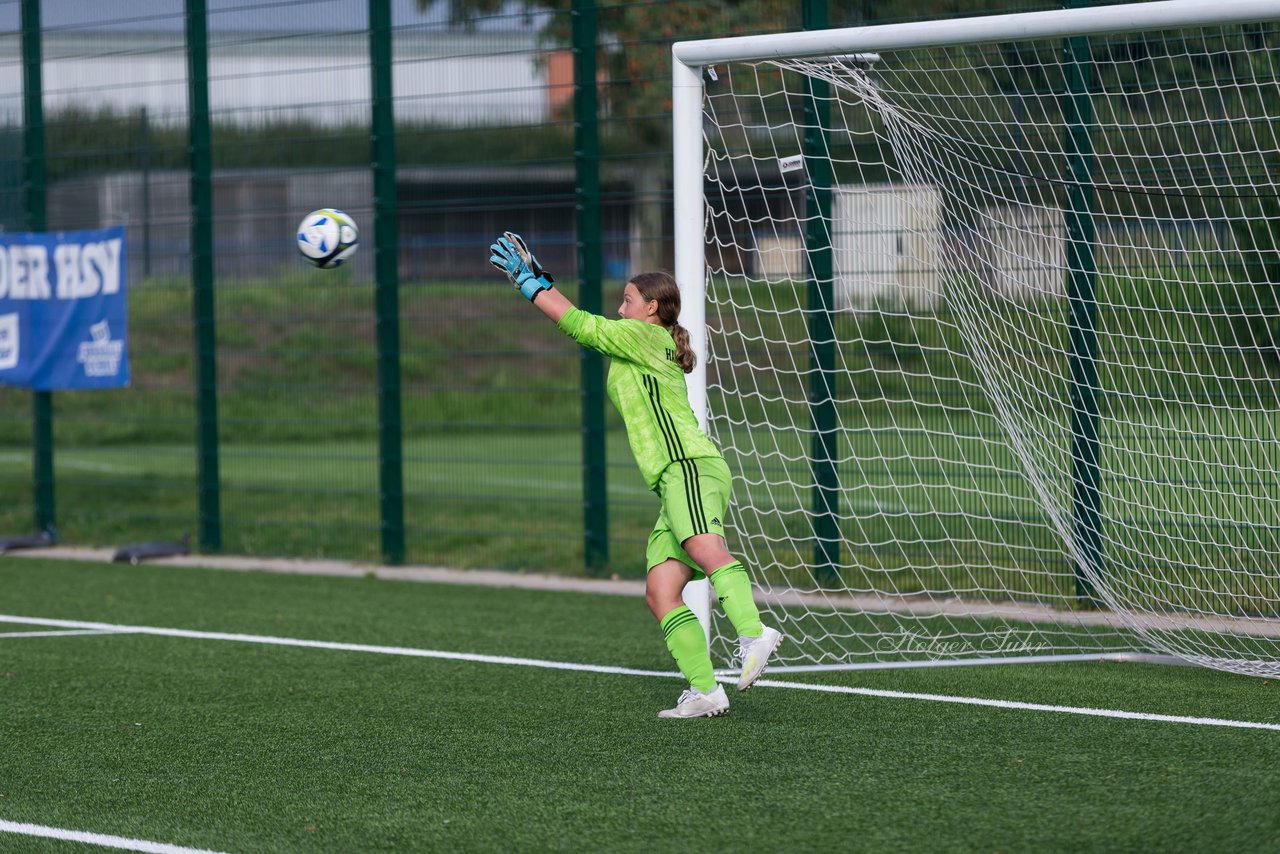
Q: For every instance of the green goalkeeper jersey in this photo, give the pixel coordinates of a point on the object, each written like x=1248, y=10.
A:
x=646, y=384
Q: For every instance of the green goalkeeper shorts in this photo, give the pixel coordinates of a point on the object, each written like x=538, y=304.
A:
x=695, y=498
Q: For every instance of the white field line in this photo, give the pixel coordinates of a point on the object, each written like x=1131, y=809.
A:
x=627, y=671
x=122, y=843
x=60, y=634
x=1065, y=658
x=268, y=640
x=1014, y=704
x=1018, y=612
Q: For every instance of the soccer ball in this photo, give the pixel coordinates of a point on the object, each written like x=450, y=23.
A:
x=327, y=237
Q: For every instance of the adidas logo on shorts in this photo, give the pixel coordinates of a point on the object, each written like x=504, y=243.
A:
x=715, y=521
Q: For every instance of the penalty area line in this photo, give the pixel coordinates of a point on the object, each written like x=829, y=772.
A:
x=59, y=634
x=121, y=843
x=337, y=646
x=1017, y=704
x=547, y=664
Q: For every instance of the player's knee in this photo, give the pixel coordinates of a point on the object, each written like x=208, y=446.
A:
x=708, y=552
x=661, y=601
x=658, y=600
x=653, y=600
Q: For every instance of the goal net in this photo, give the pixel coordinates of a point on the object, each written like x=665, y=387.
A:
x=993, y=333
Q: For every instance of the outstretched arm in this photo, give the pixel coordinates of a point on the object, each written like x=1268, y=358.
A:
x=632, y=340
x=510, y=255
x=552, y=303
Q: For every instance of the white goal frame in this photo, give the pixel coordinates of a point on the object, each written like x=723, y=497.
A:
x=690, y=61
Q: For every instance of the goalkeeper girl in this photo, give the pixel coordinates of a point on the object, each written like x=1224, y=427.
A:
x=650, y=355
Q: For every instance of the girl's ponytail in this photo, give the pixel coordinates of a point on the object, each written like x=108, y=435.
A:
x=685, y=357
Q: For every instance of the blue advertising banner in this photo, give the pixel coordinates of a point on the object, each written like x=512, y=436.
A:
x=63, y=317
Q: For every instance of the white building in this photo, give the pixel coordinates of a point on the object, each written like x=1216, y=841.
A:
x=444, y=77
x=890, y=247
x=884, y=241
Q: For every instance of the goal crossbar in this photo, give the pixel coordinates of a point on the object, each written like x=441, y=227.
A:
x=1020, y=26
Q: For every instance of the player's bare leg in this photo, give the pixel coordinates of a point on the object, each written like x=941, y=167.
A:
x=686, y=641
x=756, y=643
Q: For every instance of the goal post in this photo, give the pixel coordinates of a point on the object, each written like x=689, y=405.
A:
x=999, y=375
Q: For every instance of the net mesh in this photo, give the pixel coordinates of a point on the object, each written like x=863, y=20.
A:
x=1027, y=402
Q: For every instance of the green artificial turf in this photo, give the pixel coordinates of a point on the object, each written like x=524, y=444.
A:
x=253, y=747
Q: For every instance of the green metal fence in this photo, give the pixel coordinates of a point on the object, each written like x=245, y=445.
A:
x=408, y=406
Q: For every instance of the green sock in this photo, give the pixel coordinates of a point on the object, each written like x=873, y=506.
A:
x=733, y=588
x=688, y=645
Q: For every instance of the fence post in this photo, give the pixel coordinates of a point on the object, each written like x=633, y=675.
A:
x=204, y=323
x=386, y=249
x=144, y=165
x=1081, y=298
x=391, y=453
x=586, y=160
x=37, y=220
x=822, y=345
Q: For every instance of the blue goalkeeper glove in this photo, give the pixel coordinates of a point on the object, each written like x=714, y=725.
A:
x=525, y=255
x=512, y=257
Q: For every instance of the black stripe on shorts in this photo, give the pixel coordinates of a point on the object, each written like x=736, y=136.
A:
x=693, y=494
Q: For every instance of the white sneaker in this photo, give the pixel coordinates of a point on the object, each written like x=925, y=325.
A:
x=695, y=704
x=755, y=653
